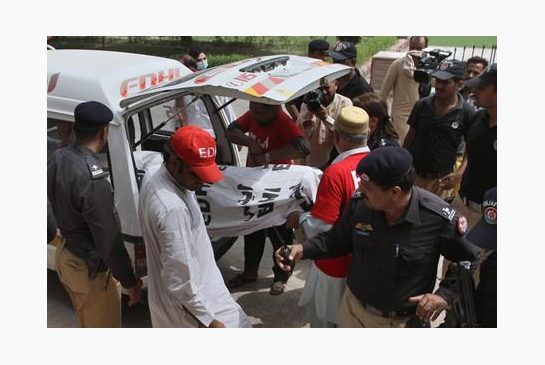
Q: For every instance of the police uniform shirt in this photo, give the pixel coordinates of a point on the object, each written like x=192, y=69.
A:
x=83, y=203
x=437, y=139
x=486, y=299
x=390, y=264
x=356, y=86
x=379, y=138
x=481, y=173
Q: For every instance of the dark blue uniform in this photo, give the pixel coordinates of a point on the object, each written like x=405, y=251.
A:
x=390, y=264
x=437, y=139
x=83, y=203
x=380, y=138
x=481, y=172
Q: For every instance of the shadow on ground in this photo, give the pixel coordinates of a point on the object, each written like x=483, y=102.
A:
x=279, y=311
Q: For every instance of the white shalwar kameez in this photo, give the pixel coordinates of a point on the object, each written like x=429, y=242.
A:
x=182, y=272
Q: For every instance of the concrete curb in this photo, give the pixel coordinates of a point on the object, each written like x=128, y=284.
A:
x=401, y=45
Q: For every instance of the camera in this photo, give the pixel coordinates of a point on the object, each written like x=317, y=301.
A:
x=428, y=64
x=314, y=99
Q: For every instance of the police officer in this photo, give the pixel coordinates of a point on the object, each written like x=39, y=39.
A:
x=92, y=250
x=484, y=235
x=438, y=124
x=479, y=171
x=395, y=233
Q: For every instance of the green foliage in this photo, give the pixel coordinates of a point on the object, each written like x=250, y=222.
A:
x=371, y=45
x=355, y=40
x=449, y=41
x=219, y=49
x=260, y=45
x=222, y=59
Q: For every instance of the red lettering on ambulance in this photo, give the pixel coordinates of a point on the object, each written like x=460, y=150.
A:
x=52, y=82
x=128, y=85
x=143, y=82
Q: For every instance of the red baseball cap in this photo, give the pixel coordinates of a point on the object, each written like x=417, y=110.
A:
x=197, y=149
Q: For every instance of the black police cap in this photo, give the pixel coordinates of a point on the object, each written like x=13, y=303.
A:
x=92, y=114
x=318, y=45
x=385, y=165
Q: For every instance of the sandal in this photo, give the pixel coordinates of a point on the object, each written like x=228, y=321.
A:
x=240, y=280
x=277, y=288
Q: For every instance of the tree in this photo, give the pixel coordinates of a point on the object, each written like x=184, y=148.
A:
x=186, y=41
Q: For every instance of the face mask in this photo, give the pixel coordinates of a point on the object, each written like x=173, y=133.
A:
x=201, y=65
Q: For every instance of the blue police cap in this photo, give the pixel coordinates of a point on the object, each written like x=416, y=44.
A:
x=318, y=45
x=449, y=69
x=385, y=165
x=92, y=115
x=484, y=234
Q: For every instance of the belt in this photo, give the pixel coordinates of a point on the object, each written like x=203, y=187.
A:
x=389, y=314
x=433, y=175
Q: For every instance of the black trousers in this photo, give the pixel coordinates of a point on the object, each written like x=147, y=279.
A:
x=254, y=246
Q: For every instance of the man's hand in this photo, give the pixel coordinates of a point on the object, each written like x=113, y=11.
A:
x=296, y=252
x=135, y=292
x=255, y=148
x=450, y=181
x=429, y=306
x=216, y=324
x=308, y=123
x=261, y=159
x=321, y=113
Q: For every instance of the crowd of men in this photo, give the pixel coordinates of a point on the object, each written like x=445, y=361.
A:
x=380, y=226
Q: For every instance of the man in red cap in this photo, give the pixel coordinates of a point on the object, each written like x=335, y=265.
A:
x=185, y=286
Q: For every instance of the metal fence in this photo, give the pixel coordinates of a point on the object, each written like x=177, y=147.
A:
x=464, y=53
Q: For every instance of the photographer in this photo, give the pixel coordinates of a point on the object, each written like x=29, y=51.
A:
x=318, y=49
x=400, y=82
x=318, y=113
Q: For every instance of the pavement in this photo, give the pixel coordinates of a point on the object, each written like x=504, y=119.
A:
x=265, y=310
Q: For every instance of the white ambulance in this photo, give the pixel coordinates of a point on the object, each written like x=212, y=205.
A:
x=150, y=97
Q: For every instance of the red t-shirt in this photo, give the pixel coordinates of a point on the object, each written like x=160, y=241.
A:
x=335, y=190
x=279, y=134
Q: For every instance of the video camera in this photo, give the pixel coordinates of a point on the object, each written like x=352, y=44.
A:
x=314, y=99
x=428, y=64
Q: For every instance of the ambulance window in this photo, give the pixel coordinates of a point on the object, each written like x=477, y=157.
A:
x=134, y=129
x=184, y=110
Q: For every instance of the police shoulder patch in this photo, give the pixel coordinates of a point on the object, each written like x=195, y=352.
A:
x=95, y=168
x=439, y=206
x=461, y=225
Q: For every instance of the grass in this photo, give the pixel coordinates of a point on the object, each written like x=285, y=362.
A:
x=449, y=41
x=371, y=45
x=220, y=50
x=298, y=45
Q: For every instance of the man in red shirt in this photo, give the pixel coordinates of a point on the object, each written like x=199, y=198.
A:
x=272, y=138
x=327, y=277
